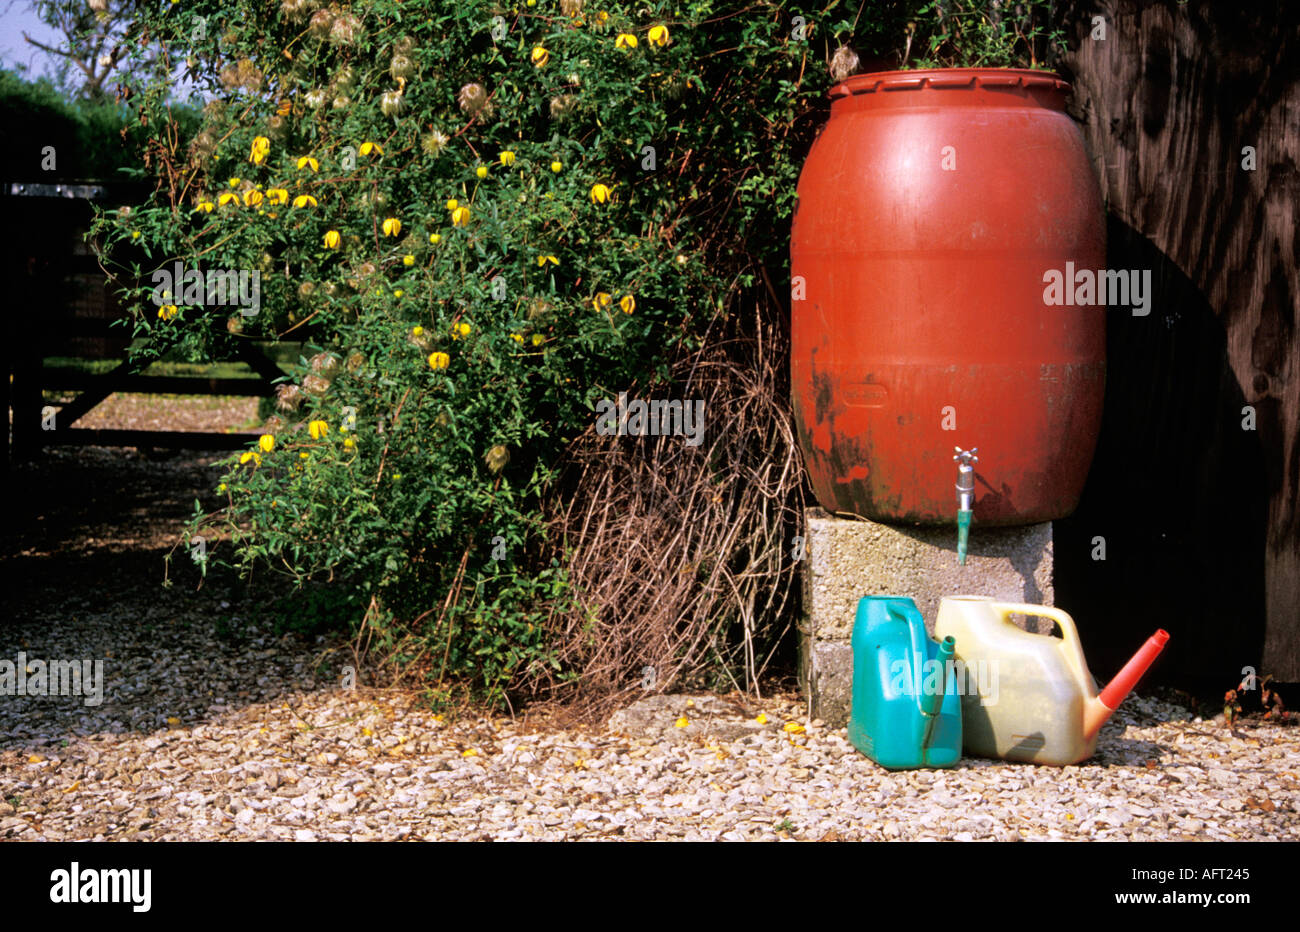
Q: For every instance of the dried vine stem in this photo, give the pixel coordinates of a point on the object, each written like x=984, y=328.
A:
x=681, y=556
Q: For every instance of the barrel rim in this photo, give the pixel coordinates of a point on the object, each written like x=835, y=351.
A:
x=948, y=79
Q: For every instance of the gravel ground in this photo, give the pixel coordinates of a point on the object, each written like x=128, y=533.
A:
x=213, y=727
x=356, y=765
x=134, y=411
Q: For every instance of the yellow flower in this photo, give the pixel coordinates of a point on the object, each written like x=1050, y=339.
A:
x=469, y=752
x=277, y=196
x=368, y=147
x=794, y=728
x=625, y=40
x=762, y=719
x=602, y=18
x=349, y=444
x=205, y=207
x=168, y=311
x=305, y=455
x=627, y=303
x=317, y=429
x=252, y=198
x=135, y=234
x=222, y=487
x=464, y=330
x=507, y=158
x=250, y=455
x=304, y=200
x=408, y=260
x=682, y=722
x=261, y=146
x=307, y=161
x=658, y=35
x=439, y=360
x=417, y=331
x=266, y=442
x=227, y=198
x=398, y=292
x=481, y=171
x=517, y=337
x=556, y=166
x=542, y=260
x=392, y=226
x=234, y=182
x=435, y=238
x=460, y=216
x=538, y=339
x=600, y=193
x=540, y=56
x=601, y=301
x=452, y=203
x=332, y=239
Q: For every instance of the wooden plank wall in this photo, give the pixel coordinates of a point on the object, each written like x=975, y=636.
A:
x=1200, y=516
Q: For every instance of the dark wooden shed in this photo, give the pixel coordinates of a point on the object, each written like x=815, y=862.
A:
x=1192, y=114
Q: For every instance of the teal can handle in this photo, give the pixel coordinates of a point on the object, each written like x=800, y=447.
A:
x=933, y=705
x=934, y=702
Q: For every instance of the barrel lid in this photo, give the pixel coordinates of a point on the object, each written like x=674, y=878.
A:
x=949, y=79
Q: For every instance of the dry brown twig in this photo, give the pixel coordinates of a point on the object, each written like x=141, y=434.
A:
x=680, y=556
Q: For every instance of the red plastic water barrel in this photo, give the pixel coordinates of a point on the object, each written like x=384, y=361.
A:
x=931, y=209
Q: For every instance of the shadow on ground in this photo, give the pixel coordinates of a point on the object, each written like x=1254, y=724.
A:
x=83, y=570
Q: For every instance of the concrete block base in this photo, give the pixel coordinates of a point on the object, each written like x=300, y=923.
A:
x=849, y=558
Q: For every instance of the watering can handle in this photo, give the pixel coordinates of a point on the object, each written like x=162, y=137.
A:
x=1069, y=633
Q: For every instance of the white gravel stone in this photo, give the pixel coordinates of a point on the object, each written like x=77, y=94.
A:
x=206, y=736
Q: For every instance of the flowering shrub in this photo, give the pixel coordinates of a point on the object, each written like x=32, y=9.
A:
x=484, y=218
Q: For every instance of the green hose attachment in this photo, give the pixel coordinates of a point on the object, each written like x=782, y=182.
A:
x=963, y=535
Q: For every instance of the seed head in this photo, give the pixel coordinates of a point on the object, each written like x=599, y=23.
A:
x=843, y=63
x=346, y=29
x=321, y=23
x=497, y=458
x=326, y=365
x=473, y=100
x=434, y=142
x=288, y=398
x=562, y=107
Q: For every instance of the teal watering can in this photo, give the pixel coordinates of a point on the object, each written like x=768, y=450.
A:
x=906, y=711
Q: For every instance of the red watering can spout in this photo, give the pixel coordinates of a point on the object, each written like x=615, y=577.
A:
x=1099, y=709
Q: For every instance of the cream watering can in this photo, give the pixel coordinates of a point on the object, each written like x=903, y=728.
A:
x=1030, y=697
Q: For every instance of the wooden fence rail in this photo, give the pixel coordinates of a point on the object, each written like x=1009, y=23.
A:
x=60, y=305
